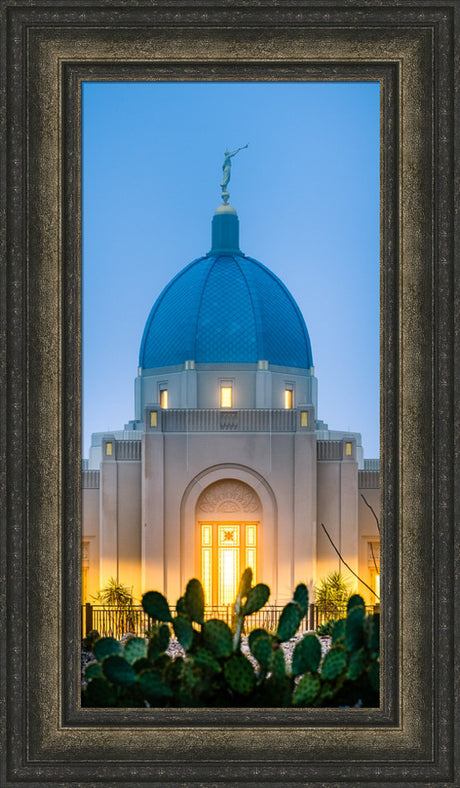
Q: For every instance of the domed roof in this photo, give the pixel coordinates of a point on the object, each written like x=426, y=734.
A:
x=227, y=308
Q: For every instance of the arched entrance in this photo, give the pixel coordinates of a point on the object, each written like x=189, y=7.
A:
x=228, y=522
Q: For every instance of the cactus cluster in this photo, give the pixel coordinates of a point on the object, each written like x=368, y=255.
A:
x=215, y=672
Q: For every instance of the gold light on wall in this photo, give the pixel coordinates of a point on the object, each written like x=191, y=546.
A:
x=164, y=398
x=153, y=418
x=108, y=449
x=288, y=399
x=304, y=418
x=226, y=396
x=348, y=449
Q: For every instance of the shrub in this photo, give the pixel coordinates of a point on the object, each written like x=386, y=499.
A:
x=216, y=673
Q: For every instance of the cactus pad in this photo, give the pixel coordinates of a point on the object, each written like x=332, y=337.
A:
x=218, y=637
x=245, y=582
x=205, y=659
x=357, y=664
x=118, y=670
x=257, y=633
x=99, y=693
x=257, y=598
x=194, y=600
x=354, y=629
x=156, y=606
x=374, y=676
x=306, y=690
x=278, y=666
x=355, y=600
x=261, y=649
x=338, y=630
x=134, y=649
x=183, y=630
x=334, y=663
x=153, y=686
x=306, y=656
x=301, y=597
x=239, y=674
x=289, y=621
x=104, y=647
x=92, y=670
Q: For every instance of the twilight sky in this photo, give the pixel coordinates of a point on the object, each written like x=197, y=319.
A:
x=307, y=195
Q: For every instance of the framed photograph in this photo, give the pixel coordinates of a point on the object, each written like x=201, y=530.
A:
x=50, y=55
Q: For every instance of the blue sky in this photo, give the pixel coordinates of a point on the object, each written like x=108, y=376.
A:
x=307, y=195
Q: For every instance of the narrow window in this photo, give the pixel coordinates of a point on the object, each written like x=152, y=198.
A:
x=164, y=398
x=108, y=449
x=304, y=418
x=348, y=447
x=226, y=396
x=153, y=418
x=288, y=398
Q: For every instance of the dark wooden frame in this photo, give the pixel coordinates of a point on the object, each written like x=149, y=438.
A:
x=47, y=49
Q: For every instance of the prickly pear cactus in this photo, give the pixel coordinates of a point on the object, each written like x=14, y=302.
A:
x=307, y=655
x=215, y=672
x=156, y=606
x=306, y=690
x=301, y=597
x=257, y=598
x=153, y=686
x=354, y=628
x=290, y=618
x=104, y=647
x=183, y=630
x=239, y=674
x=118, y=670
x=261, y=649
x=194, y=600
x=217, y=637
x=135, y=648
x=334, y=662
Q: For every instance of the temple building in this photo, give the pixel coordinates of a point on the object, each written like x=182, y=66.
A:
x=225, y=464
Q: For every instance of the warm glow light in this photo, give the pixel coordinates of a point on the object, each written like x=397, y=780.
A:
x=164, y=398
x=206, y=573
x=377, y=585
x=304, y=418
x=288, y=399
x=348, y=449
x=229, y=574
x=226, y=397
x=108, y=449
x=153, y=418
x=206, y=538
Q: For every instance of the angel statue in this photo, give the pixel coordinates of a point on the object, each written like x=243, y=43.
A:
x=226, y=169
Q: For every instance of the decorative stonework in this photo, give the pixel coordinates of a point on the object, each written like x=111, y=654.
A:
x=228, y=496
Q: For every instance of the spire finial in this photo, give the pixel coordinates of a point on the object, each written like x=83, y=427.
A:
x=226, y=168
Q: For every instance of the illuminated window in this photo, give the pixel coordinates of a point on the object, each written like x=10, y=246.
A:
x=377, y=585
x=304, y=418
x=226, y=549
x=164, y=398
x=226, y=396
x=263, y=364
x=189, y=365
x=108, y=449
x=288, y=398
x=348, y=449
x=153, y=418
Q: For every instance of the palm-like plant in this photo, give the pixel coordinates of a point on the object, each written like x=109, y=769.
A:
x=332, y=593
x=116, y=595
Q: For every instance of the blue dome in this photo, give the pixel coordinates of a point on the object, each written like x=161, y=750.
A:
x=225, y=308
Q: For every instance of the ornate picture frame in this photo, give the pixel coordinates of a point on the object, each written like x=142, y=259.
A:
x=48, y=51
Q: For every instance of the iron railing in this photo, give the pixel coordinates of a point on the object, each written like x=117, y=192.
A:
x=115, y=622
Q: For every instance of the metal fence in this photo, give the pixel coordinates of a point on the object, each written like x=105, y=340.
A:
x=115, y=622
